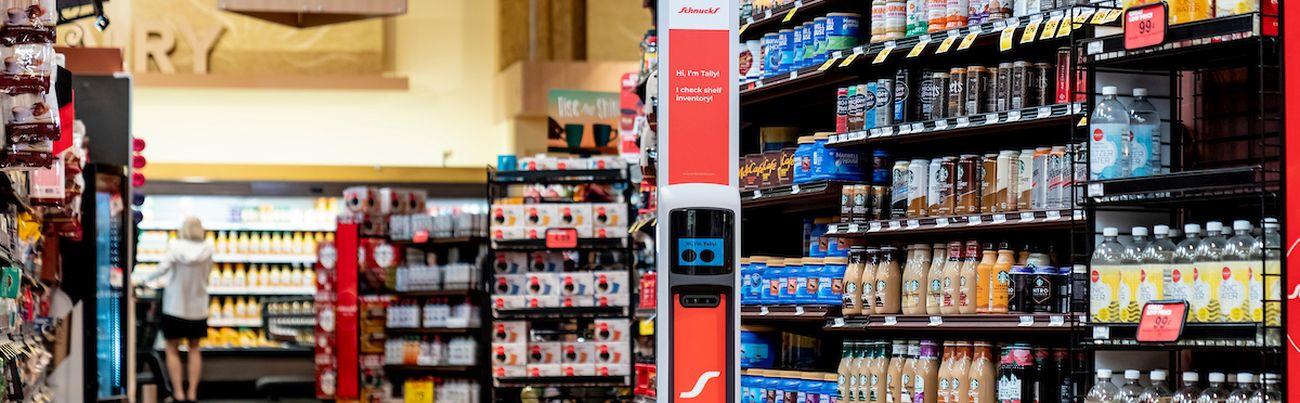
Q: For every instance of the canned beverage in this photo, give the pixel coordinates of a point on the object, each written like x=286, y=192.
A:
x=1041, y=84
x=857, y=104
x=936, y=14
x=904, y=102
x=862, y=203
x=991, y=98
x=821, y=47
x=869, y=102
x=1018, y=289
x=958, y=13
x=899, y=190
x=1002, y=92
x=934, y=184
x=988, y=184
x=771, y=54
x=847, y=196
x=947, y=186
x=842, y=110
x=1019, y=88
x=917, y=19
x=999, y=9
x=1041, y=289
x=1008, y=179
x=879, y=209
x=977, y=86
x=1032, y=7
x=966, y=185
x=884, y=102
x=1040, y=177
x=841, y=31
x=977, y=12
x=1025, y=182
x=956, y=92
x=877, y=20
x=1077, y=175
x=786, y=62
x=880, y=164
x=1015, y=371
x=1063, y=74
x=934, y=95
x=1057, y=186
x=895, y=19
x=918, y=178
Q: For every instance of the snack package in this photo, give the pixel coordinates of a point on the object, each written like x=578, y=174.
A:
x=28, y=21
x=31, y=117
x=28, y=68
x=26, y=156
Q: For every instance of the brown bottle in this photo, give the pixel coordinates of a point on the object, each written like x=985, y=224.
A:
x=934, y=279
x=982, y=376
x=966, y=185
x=968, y=278
x=948, y=280
x=889, y=280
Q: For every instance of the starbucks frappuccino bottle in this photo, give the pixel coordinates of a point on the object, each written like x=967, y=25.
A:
x=907, y=382
x=889, y=280
x=926, y=379
x=982, y=374
x=948, y=283
x=842, y=372
x=934, y=279
x=959, y=376
x=983, y=271
x=968, y=278
x=914, y=274
x=1000, y=279
x=894, y=373
x=867, y=282
x=945, y=372
x=852, y=281
x=858, y=370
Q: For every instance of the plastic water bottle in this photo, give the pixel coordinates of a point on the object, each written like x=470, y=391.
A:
x=1103, y=391
x=1144, y=124
x=1108, y=140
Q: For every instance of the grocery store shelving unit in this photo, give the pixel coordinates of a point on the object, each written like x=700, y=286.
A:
x=1224, y=161
x=499, y=182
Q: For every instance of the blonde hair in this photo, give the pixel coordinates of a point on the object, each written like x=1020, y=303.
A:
x=192, y=230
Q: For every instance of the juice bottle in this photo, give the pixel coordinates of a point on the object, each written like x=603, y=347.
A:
x=907, y=376
x=1156, y=260
x=981, y=383
x=867, y=282
x=945, y=373
x=983, y=271
x=894, y=373
x=888, y=282
x=918, y=259
x=1244, y=260
x=968, y=277
x=947, y=283
x=852, y=279
x=959, y=378
x=1000, y=279
x=1207, y=275
x=1178, y=279
x=1130, y=276
x=926, y=379
x=937, y=300
x=1104, y=288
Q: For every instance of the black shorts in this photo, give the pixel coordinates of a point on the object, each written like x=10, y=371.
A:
x=176, y=328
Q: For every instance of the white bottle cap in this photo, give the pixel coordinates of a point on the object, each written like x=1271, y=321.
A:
x=1270, y=376
x=1270, y=220
x=1160, y=230
x=1139, y=231
x=1245, y=377
x=1214, y=226
x=1110, y=231
x=1191, y=377
x=1132, y=374
x=1109, y=90
x=1217, y=377
x=1241, y=226
x=1159, y=375
x=1139, y=92
x=1190, y=229
x=1103, y=373
x=1270, y=223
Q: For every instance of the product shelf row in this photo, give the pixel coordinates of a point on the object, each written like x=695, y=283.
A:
x=1019, y=220
x=753, y=26
x=1223, y=41
x=949, y=128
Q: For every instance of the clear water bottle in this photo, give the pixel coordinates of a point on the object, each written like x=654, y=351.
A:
x=1215, y=393
x=1159, y=391
x=1245, y=388
x=1189, y=392
x=1108, y=146
x=1144, y=145
x=1270, y=392
x=1132, y=387
x=1103, y=391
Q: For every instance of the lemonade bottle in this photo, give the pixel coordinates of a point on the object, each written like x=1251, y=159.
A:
x=1208, y=274
x=1271, y=311
x=1178, y=280
x=1104, y=281
x=1156, y=261
x=1244, y=261
x=1131, y=276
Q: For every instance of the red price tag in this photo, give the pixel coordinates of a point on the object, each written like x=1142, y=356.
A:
x=1162, y=321
x=1145, y=26
x=420, y=236
x=561, y=238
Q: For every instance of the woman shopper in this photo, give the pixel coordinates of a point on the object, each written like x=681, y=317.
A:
x=185, y=305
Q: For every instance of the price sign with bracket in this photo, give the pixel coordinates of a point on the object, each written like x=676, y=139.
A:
x=1145, y=26
x=1162, y=321
x=561, y=238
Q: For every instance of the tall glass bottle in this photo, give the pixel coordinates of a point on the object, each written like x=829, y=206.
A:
x=1107, y=298
x=1103, y=391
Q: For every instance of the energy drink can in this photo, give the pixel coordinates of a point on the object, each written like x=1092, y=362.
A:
x=1002, y=92
x=1064, y=65
x=1019, y=89
x=884, y=102
x=870, y=103
x=842, y=110
x=1040, y=84
x=905, y=109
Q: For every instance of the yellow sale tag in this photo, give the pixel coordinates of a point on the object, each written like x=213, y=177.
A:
x=1008, y=38
x=1098, y=17
x=946, y=44
x=920, y=47
x=743, y=28
x=1112, y=16
x=647, y=327
x=1083, y=122
x=1067, y=26
x=790, y=15
x=1031, y=31
x=828, y=64
x=849, y=60
x=1081, y=16
x=884, y=53
x=969, y=39
x=1049, y=29
x=418, y=391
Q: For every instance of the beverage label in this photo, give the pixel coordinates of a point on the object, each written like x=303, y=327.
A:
x=1151, y=280
x=1145, y=143
x=1103, y=289
x=1106, y=148
x=1272, y=289
x=1130, y=278
x=1203, y=296
x=1235, y=290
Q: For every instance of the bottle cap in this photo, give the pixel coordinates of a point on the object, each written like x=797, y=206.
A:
x=1139, y=231
x=1217, y=377
x=1139, y=92
x=1191, y=377
x=1214, y=226
x=1270, y=376
x=1104, y=373
x=1241, y=226
x=1110, y=231
x=1132, y=374
x=1159, y=375
x=1245, y=377
x=1109, y=90
x=1190, y=229
x=1160, y=230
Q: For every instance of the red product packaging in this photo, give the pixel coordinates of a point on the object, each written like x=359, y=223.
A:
x=647, y=294
x=1064, y=67
x=842, y=110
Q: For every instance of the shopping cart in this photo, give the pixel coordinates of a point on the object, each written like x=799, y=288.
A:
x=148, y=316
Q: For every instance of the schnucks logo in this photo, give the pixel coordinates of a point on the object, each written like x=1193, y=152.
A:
x=693, y=10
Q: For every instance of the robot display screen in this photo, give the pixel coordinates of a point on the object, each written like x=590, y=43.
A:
x=701, y=241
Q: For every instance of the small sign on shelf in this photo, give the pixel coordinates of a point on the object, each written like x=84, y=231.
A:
x=1145, y=26
x=1162, y=321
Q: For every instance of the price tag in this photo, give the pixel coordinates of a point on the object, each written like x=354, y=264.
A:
x=1076, y=107
x=991, y=119
x=420, y=236
x=837, y=322
x=999, y=218
x=1078, y=214
x=962, y=122
x=1013, y=116
x=794, y=75
x=1162, y=321
x=941, y=222
x=1049, y=29
x=1008, y=37
x=746, y=26
x=790, y=15
x=1053, y=215
x=1096, y=190
x=884, y=53
x=833, y=229
x=1067, y=26
x=1081, y=15
x=974, y=220
x=798, y=310
x=758, y=84
x=905, y=129
x=561, y=238
x=1145, y=26
x=999, y=24
x=853, y=228
x=941, y=124
x=1044, y=111
x=1031, y=30
x=873, y=226
x=918, y=127
x=913, y=224
x=936, y=321
x=891, y=320
x=1056, y=321
x=893, y=225
x=1026, y=216
x=857, y=135
x=837, y=54
x=919, y=47
x=1026, y=320
x=969, y=39
x=849, y=60
x=947, y=42
x=762, y=311
x=875, y=132
x=1112, y=15
x=767, y=13
x=758, y=194
x=1101, y=332
x=794, y=189
x=828, y=63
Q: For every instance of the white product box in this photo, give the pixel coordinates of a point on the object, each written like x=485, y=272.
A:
x=608, y=232
x=612, y=353
x=508, y=233
x=542, y=284
x=509, y=263
x=576, y=301
x=613, y=369
x=544, y=352
x=576, y=283
x=572, y=163
x=578, y=352
x=540, y=216
x=509, y=371
x=609, y=215
x=549, y=301
x=577, y=215
x=507, y=216
x=510, y=284
x=611, y=330
x=610, y=300
x=610, y=282
x=509, y=354
x=513, y=331
x=540, y=370
x=508, y=301
x=392, y=201
x=578, y=369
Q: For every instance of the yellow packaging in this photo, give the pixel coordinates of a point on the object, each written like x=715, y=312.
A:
x=1204, y=294
x=1130, y=278
x=1182, y=11
x=1103, y=289
x=418, y=391
x=1225, y=8
x=1235, y=293
x=1272, y=291
x=1151, y=284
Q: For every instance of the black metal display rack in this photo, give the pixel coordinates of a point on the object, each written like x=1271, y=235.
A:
x=557, y=321
x=1225, y=151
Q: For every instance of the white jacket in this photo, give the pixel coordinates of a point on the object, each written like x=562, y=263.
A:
x=186, y=293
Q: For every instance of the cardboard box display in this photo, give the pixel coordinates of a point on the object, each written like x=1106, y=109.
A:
x=576, y=215
x=610, y=282
x=507, y=301
x=608, y=232
x=540, y=216
x=509, y=371
x=510, y=331
x=576, y=301
x=612, y=353
x=392, y=201
x=620, y=369
x=578, y=369
x=544, y=301
x=509, y=284
x=507, y=216
x=509, y=354
x=506, y=234
x=575, y=283
x=785, y=167
x=611, y=330
x=609, y=215
x=509, y=262
x=575, y=352
x=542, y=284
x=361, y=199
x=540, y=370
x=544, y=352
x=616, y=300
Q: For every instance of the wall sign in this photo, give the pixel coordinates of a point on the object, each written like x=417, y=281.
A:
x=699, y=97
